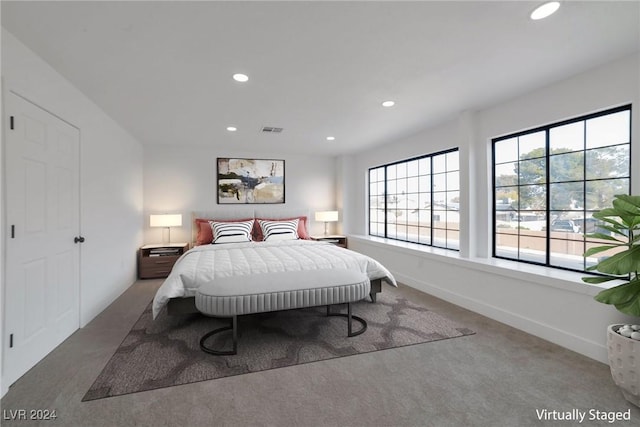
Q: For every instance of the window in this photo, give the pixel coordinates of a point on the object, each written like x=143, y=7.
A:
x=549, y=181
x=417, y=200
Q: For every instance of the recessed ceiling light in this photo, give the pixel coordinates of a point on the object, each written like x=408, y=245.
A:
x=232, y=128
x=240, y=77
x=331, y=138
x=545, y=10
x=388, y=103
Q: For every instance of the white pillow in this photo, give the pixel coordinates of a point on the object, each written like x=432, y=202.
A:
x=231, y=232
x=279, y=230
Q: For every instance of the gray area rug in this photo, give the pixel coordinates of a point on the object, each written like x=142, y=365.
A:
x=166, y=352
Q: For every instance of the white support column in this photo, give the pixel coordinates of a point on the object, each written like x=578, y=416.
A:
x=470, y=189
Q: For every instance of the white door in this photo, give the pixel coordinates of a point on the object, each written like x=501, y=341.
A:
x=42, y=262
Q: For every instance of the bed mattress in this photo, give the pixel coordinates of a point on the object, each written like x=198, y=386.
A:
x=203, y=264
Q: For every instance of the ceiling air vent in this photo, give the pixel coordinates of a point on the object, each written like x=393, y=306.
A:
x=271, y=129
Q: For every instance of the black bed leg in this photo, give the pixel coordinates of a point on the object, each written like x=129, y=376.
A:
x=350, y=317
x=234, y=325
x=234, y=333
x=376, y=288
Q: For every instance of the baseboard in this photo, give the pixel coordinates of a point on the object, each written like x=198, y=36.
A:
x=547, y=332
x=89, y=315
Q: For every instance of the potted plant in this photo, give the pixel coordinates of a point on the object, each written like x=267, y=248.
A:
x=622, y=221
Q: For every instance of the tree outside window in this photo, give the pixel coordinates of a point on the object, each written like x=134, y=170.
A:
x=548, y=182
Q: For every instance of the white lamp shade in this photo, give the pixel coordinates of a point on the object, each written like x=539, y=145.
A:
x=165, y=220
x=327, y=216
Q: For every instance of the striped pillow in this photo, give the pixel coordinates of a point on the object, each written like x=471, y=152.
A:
x=231, y=232
x=279, y=230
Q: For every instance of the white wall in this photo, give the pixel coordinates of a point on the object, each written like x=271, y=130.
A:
x=182, y=181
x=552, y=304
x=354, y=200
x=110, y=178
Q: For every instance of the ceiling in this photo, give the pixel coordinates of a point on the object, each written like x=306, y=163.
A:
x=163, y=69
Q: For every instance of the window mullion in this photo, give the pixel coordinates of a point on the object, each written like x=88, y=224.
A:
x=584, y=195
x=548, y=194
x=431, y=200
x=386, y=196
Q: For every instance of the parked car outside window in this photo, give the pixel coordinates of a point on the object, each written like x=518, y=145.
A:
x=565, y=225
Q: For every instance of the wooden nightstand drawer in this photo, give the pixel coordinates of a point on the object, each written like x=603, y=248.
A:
x=159, y=261
x=335, y=239
x=156, y=261
x=155, y=271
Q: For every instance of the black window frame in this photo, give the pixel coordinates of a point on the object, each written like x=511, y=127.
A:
x=548, y=181
x=433, y=213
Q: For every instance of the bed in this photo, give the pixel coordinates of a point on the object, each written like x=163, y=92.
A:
x=205, y=263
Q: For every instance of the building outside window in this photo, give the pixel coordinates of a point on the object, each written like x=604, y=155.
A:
x=417, y=200
x=548, y=182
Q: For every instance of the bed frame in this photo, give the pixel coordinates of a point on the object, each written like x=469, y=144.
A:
x=177, y=306
x=187, y=305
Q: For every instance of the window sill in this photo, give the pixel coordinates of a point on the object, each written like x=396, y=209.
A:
x=560, y=279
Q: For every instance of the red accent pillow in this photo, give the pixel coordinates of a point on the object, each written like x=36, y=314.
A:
x=205, y=234
x=302, y=227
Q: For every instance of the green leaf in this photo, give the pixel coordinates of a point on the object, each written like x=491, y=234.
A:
x=631, y=307
x=632, y=200
x=624, y=209
x=616, y=226
x=615, y=230
x=608, y=212
x=599, y=279
x=598, y=249
x=621, y=263
x=620, y=294
x=626, y=204
x=625, y=297
x=623, y=219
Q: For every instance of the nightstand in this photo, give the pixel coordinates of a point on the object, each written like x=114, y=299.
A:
x=336, y=239
x=156, y=261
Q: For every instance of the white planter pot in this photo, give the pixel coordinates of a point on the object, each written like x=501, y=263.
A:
x=624, y=360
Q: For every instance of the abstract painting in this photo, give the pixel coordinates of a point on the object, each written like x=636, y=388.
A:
x=249, y=181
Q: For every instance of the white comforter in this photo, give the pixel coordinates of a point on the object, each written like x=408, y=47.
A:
x=204, y=264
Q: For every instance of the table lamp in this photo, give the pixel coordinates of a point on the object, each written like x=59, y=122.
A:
x=326, y=217
x=166, y=220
